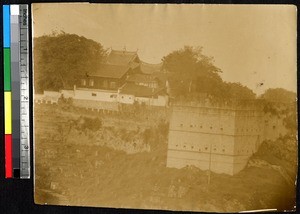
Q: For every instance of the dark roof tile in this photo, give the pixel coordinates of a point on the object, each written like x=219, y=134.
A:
x=110, y=71
x=121, y=57
x=140, y=91
x=144, y=78
x=148, y=68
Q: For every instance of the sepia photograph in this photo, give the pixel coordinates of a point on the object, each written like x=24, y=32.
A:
x=182, y=107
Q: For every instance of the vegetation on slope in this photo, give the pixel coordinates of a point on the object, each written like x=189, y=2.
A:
x=84, y=173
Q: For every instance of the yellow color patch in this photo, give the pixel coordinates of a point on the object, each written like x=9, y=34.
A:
x=7, y=112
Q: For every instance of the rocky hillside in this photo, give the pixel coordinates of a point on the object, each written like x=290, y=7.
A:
x=92, y=173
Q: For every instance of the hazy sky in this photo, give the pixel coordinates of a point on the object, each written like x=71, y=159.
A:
x=251, y=44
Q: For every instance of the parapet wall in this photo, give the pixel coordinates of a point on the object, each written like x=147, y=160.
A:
x=244, y=105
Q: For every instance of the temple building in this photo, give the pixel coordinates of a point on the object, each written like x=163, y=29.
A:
x=123, y=78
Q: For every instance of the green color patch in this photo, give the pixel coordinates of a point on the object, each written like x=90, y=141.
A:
x=7, y=70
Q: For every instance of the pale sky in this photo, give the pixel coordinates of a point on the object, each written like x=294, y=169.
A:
x=251, y=44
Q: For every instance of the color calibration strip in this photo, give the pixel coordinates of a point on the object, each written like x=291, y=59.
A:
x=7, y=92
x=16, y=91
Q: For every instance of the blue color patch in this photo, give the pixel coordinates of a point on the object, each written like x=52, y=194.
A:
x=6, y=26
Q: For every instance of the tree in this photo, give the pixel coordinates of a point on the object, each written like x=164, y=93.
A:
x=60, y=58
x=279, y=95
x=290, y=121
x=239, y=92
x=187, y=67
x=282, y=103
x=191, y=73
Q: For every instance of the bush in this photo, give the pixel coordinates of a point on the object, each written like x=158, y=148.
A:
x=86, y=123
x=155, y=136
x=284, y=148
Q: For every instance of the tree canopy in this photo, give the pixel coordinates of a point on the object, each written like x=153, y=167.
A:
x=274, y=98
x=59, y=58
x=191, y=72
x=238, y=91
x=279, y=95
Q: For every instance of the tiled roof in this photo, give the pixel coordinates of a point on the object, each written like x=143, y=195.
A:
x=140, y=91
x=121, y=57
x=161, y=76
x=110, y=71
x=148, y=68
x=145, y=78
